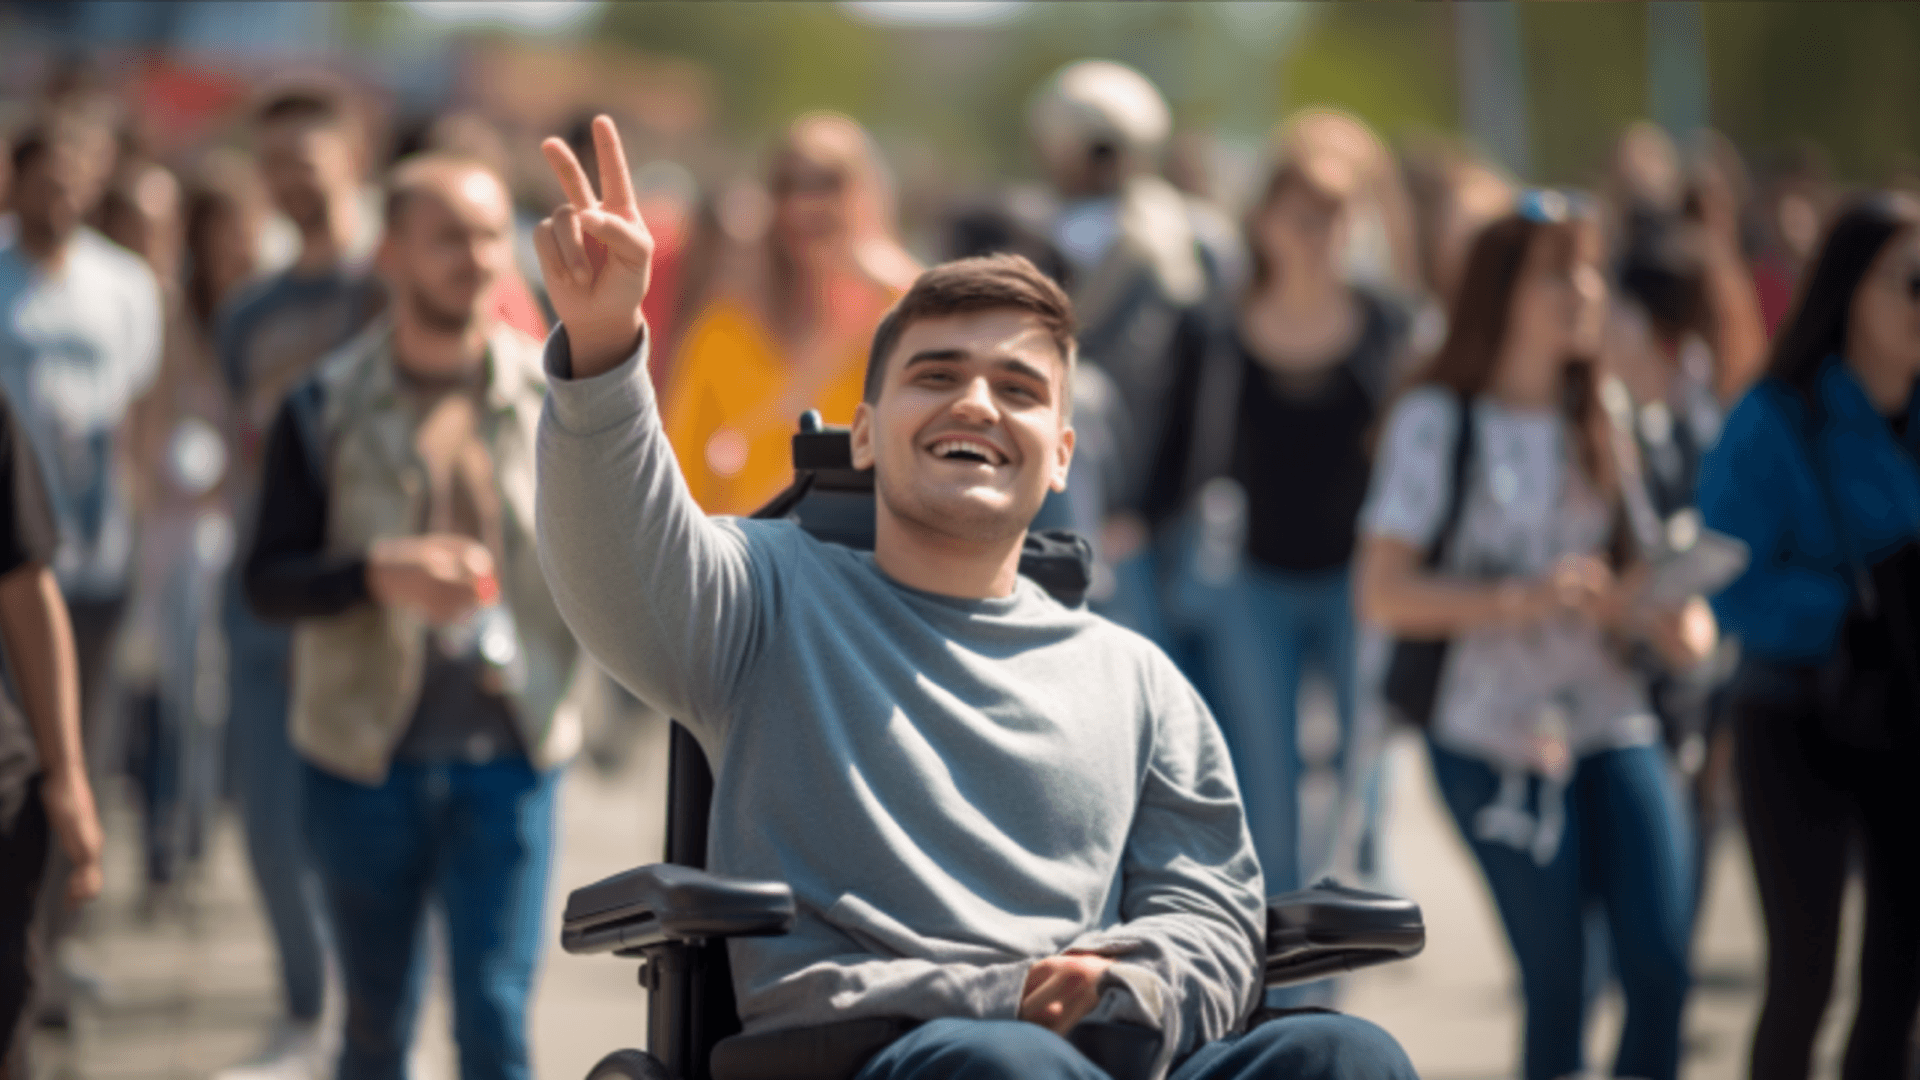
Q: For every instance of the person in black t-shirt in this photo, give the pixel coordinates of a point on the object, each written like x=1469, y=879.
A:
x=44, y=792
x=1266, y=458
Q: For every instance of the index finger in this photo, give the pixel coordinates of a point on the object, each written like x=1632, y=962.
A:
x=566, y=168
x=615, y=182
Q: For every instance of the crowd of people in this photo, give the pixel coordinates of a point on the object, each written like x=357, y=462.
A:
x=1612, y=496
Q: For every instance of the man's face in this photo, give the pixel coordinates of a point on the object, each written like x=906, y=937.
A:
x=305, y=164
x=58, y=187
x=970, y=430
x=451, y=245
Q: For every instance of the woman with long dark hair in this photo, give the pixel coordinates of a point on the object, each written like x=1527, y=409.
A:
x=1816, y=472
x=1541, y=739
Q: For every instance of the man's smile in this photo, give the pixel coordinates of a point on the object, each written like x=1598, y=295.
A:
x=967, y=448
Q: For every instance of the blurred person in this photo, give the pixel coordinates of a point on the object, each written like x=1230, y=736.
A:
x=788, y=333
x=1297, y=371
x=1452, y=195
x=1795, y=200
x=1540, y=737
x=1381, y=248
x=1139, y=256
x=470, y=135
x=1684, y=339
x=310, y=153
x=1034, y=811
x=80, y=335
x=45, y=796
x=432, y=671
x=79, y=340
x=1816, y=471
x=201, y=243
x=1645, y=171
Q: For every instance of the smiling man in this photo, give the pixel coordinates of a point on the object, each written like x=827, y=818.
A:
x=1000, y=816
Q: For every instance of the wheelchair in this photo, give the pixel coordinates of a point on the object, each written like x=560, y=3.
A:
x=675, y=917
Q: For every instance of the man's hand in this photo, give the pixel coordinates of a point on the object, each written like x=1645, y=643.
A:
x=595, y=256
x=70, y=811
x=441, y=576
x=1062, y=990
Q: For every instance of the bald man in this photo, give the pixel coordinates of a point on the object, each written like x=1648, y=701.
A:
x=431, y=671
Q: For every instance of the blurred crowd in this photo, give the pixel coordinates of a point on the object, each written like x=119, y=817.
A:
x=1590, y=486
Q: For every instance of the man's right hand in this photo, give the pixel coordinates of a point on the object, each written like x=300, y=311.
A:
x=441, y=576
x=596, y=256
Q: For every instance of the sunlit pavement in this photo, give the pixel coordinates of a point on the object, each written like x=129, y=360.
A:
x=192, y=989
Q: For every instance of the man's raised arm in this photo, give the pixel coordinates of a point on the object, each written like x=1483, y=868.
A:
x=661, y=596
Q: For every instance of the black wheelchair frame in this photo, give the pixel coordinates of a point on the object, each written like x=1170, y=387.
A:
x=675, y=917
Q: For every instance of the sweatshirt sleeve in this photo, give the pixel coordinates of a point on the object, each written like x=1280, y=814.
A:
x=662, y=596
x=1191, y=946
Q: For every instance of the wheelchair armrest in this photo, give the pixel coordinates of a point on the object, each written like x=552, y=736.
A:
x=663, y=902
x=1328, y=928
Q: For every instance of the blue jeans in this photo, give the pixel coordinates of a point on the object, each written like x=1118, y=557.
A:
x=1308, y=1046
x=479, y=840
x=1262, y=633
x=1625, y=851
x=267, y=774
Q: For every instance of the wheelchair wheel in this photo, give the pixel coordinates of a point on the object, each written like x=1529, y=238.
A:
x=630, y=1065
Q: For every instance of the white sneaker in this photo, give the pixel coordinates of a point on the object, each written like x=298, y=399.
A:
x=294, y=1050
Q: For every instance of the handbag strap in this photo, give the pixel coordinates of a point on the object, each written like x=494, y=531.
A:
x=1457, y=489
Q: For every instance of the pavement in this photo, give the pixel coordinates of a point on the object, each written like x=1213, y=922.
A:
x=191, y=987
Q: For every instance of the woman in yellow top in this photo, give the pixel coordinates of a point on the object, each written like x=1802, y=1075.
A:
x=789, y=331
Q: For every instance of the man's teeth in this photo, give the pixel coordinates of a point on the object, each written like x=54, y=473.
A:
x=955, y=448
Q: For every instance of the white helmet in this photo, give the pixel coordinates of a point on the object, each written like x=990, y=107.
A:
x=1092, y=103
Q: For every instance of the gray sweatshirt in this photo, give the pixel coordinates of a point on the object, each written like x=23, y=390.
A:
x=953, y=788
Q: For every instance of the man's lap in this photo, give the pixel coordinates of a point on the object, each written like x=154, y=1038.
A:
x=1308, y=1046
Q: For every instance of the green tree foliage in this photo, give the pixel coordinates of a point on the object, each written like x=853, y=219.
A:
x=1389, y=64
x=1840, y=75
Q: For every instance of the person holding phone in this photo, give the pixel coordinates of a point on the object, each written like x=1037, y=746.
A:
x=1816, y=471
x=1541, y=739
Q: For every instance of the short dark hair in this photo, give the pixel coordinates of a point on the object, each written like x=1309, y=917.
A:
x=45, y=132
x=306, y=104
x=965, y=286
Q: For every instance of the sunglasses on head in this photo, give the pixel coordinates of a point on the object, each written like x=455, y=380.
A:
x=1551, y=206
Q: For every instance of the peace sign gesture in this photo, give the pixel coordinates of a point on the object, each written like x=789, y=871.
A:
x=595, y=256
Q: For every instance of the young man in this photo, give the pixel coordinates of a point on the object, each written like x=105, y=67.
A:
x=991, y=808
x=310, y=156
x=43, y=776
x=431, y=671
x=80, y=336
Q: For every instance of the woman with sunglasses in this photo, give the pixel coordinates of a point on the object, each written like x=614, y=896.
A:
x=786, y=326
x=1541, y=740
x=1816, y=471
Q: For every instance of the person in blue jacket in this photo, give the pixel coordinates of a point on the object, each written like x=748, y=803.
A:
x=1816, y=470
